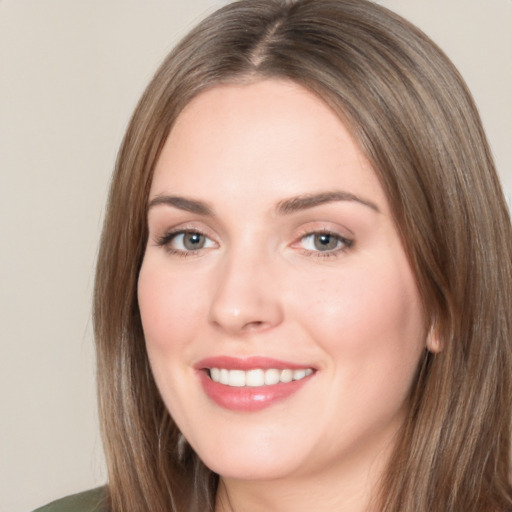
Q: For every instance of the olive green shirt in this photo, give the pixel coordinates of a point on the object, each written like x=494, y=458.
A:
x=88, y=501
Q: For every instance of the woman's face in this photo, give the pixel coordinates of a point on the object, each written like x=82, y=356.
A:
x=281, y=316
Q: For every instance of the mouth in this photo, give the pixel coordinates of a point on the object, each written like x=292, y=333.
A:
x=257, y=377
x=251, y=384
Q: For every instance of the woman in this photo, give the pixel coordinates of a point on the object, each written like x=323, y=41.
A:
x=303, y=288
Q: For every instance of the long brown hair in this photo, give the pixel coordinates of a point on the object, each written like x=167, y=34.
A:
x=414, y=118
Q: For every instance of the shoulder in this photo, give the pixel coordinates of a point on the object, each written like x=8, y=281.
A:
x=88, y=501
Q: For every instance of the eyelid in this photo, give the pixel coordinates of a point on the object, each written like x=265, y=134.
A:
x=347, y=242
x=164, y=240
x=340, y=233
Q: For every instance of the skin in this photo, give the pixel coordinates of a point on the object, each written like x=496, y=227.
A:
x=260, y=286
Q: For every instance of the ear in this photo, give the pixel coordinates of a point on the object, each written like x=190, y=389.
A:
x=433, y=342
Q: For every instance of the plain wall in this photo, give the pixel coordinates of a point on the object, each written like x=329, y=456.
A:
x=70, y=74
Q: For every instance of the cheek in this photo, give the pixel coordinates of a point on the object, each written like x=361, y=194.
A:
x=371, y=316
x=169, y=306
x=370, y=326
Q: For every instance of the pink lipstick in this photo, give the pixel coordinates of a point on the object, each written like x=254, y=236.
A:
x=250, y=384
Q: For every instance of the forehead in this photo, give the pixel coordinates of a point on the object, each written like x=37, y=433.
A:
x=269, y=138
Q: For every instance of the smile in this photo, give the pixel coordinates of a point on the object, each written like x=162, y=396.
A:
x=257, y=377
x=251, y=384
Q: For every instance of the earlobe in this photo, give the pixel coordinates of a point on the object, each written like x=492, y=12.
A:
x=433, y=342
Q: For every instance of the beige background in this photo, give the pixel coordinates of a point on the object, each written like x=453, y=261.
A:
x=70, y=74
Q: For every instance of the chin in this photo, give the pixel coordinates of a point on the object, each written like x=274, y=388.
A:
x=251, y=461
x=251, y=470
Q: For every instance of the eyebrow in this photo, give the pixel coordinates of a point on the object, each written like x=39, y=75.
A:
x=183, y=203
x=303, y=202
x=284, y=207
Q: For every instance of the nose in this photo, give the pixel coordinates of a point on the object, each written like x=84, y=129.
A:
x=246, y=298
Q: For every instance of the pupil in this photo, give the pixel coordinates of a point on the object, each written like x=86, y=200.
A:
x=325, y=242
x=194, y=241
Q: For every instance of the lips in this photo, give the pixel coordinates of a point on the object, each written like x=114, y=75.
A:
x=250, y=384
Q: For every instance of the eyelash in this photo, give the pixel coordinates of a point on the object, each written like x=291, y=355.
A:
x=166, y=239
x=346, y=243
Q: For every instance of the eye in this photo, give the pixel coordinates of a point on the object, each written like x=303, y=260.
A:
x=185, y=241
x=325, y=242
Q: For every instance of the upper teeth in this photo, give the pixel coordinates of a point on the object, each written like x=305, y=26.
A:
x=257, y=377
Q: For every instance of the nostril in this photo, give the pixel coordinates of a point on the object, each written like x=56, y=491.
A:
x=255, y=325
